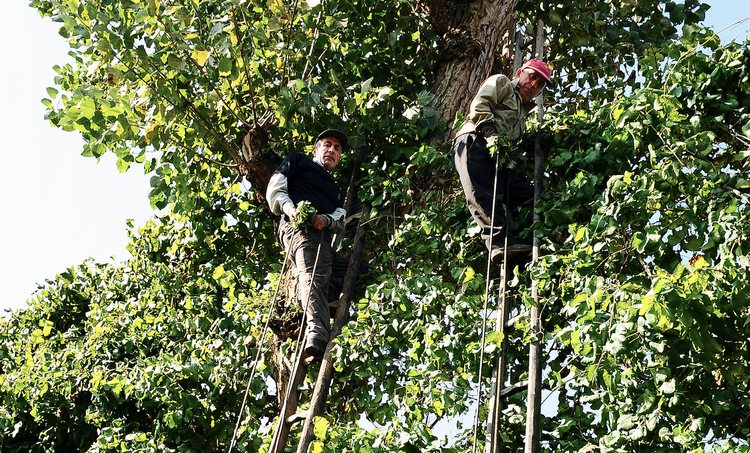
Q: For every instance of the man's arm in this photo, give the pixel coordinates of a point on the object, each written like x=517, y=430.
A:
x=335, y=222
x=277, y=195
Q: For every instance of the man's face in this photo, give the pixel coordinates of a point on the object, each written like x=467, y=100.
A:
x=328, y=152
x=530, y=83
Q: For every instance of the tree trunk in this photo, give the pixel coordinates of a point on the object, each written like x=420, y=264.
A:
x=471, y=33
x=258, y=163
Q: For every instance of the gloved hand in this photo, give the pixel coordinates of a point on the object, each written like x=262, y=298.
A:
x=488, y=130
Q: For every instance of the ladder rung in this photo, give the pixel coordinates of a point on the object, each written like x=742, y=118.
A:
x=512, y=321
x=298, y=417
x=518, y=387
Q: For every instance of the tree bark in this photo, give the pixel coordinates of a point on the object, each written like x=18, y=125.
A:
x=258, y=163
x=471, y=33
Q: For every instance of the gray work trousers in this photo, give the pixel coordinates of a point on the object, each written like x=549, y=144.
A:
x=477, y=172
x=313, y=289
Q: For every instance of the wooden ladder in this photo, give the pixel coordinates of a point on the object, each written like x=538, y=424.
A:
x=500, y=365
x=499, y=392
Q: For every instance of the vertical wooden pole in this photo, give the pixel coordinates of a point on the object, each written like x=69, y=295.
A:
x=534, y=400
x=518, y=56
x=500, y=365
x=291, y=400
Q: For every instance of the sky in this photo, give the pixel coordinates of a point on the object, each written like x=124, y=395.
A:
x=62, y=208
x=59, y=207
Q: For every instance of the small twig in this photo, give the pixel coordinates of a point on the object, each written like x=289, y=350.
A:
x=201, y=156
x=736, y=192
x=645, y=267
x=288, y=40
x=312, y=45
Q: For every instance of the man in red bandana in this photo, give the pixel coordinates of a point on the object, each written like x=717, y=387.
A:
x=498, y=108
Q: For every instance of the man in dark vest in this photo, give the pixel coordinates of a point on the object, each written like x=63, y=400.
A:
x=297, y=179
x=499, y=107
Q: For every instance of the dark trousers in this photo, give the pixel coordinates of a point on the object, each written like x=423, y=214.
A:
x=313, y=289
x=477, y=173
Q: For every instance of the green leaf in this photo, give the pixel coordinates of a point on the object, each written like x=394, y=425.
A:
x=216, y=29
x=625, y=422
x=639, y=242
x=468, y=275
x=668, y=387
x=366, y=86
x=225, y=67
x=321, y=427
x=176, y=62
x=88, y=108
x=200, y=56
x=122, y=165
x=495, y=338
x=745, y=128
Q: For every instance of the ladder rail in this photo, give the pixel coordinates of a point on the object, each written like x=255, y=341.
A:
x=297, y=376
x=291, y=401
x=499, y=372
x=534, y=400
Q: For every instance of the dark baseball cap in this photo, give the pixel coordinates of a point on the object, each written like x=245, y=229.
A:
x=333, y=133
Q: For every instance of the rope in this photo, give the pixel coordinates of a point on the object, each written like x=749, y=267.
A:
x=503, y=293
x=261, y=342
x=486, y=297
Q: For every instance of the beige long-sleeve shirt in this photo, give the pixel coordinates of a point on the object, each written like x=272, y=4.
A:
x=498, y=102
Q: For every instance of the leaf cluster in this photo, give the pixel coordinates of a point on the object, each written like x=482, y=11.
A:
x=306, y=212
x=644, y=300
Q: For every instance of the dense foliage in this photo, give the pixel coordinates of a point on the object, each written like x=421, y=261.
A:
x=645, y=300
x=651, y=284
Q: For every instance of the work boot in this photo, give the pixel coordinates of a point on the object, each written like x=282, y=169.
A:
x=514, y=252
